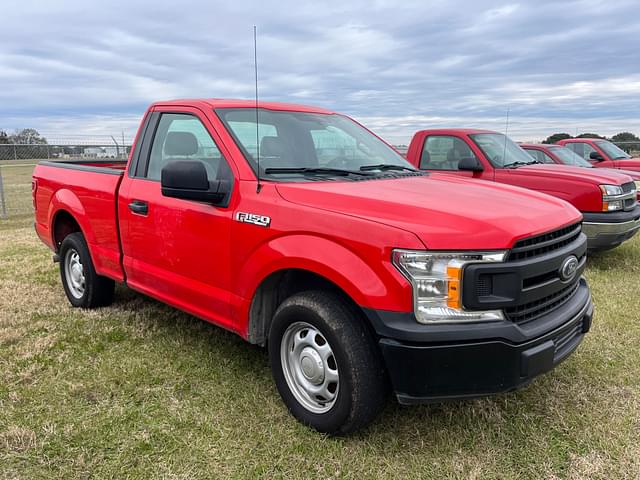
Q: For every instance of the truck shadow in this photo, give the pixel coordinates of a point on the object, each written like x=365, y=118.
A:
x=480, y=421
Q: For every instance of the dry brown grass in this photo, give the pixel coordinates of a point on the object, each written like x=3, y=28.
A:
x=141, y=390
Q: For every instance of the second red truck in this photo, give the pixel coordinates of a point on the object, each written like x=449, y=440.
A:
x=607, y=199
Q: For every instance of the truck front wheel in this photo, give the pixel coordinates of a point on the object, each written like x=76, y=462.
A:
x=83, y=286
x=325, y=363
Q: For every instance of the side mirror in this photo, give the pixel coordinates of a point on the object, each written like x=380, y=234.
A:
x=470, y=164
x=188, y=180
x=596, y=156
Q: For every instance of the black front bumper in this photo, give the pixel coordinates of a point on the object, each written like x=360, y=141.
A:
x=429, y=363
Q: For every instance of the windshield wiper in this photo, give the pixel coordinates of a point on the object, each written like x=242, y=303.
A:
x=519, y=164
x=314, y=171
x=386, y=166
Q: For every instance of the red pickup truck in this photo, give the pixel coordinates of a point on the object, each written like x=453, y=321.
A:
x=607, y=199
x=602, y=153
x=553, y=153
x=298, y=229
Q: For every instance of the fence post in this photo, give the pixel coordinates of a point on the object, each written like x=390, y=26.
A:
x=15, y=152
x=2, y=198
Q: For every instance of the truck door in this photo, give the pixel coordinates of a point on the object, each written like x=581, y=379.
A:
x=443, y=152
x=177, y=250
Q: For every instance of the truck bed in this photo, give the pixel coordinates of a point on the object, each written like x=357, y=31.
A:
x=88, y=191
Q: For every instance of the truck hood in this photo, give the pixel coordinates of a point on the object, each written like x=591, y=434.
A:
x=629, y=164
x=594, y=176
x=444, y=211
x=635, y=175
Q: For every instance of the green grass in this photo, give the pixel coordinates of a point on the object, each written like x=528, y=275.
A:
x=141, y=390
x=16, y=179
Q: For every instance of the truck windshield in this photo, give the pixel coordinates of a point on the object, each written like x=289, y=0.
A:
x=612, y=151
x=309, y=146
x=569, y=157
x=501, y=151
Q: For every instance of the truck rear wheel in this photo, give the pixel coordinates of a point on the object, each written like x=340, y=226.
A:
x=325, y=363
x=83, y=286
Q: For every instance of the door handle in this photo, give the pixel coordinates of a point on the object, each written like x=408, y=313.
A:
x=139, y=207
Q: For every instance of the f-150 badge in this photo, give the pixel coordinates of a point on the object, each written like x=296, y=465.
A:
x=260, y=220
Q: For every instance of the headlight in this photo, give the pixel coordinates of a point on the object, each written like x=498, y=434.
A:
x=609, y=201
x=436, y=278
x=637, y=184
x=611, y=190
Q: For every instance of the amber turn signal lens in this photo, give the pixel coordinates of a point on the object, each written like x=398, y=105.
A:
x=455, y=281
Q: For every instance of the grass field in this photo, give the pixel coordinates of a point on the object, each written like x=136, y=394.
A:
x=16, y=179
x=140, y=390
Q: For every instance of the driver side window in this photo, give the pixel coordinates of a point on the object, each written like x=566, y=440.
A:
x=539, y=155
x=443, y=152
x=182, y=136
x=583, y=149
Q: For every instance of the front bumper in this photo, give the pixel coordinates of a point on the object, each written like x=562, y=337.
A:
x=428, y=363
x=608, y=230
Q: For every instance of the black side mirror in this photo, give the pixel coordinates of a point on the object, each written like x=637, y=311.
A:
x=470, y=164
x=596, y=156
x=188, y=180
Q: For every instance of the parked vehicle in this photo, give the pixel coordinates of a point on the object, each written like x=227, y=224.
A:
x=606, y=199
x=602, y=153
x=552, y=153
x=312, y=236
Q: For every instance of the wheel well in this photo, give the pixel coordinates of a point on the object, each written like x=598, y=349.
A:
x=275, y=289
x=63, y=225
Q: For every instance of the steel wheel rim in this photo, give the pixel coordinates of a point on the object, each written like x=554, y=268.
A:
x=74, y=273
x=309, y=367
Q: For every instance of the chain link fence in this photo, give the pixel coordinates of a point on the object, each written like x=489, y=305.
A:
x=17, y=162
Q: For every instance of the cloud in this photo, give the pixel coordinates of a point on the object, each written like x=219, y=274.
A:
x=88, y=67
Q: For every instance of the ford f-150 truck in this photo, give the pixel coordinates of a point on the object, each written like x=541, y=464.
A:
x=298, y=229
x=607, y=199
x=602, y=153
x=553, y=153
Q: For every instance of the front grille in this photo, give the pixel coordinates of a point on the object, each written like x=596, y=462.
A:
x=529, y=285
x=484, y=286
x=533, y=310
x=629, y=203
x=547, y=242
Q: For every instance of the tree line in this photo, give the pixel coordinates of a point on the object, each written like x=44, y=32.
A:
x=25, y=136
x=618, y=137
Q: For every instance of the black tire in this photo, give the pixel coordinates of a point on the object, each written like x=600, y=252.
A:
x=97, y=290
x=362, y=388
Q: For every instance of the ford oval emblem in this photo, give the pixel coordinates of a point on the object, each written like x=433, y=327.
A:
x=569, y=268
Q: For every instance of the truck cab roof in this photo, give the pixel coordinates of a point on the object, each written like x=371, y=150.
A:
x=239, y=103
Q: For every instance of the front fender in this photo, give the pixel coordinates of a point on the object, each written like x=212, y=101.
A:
x=372, y=282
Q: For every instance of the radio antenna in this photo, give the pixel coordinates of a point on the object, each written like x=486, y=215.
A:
x=255, y=69
x=506, y=131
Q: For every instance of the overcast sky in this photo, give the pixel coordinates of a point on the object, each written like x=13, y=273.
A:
x=85, y=67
